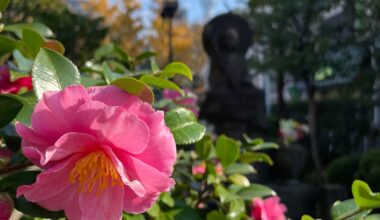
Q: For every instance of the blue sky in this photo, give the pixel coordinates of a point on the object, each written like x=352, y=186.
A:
x=195, y=10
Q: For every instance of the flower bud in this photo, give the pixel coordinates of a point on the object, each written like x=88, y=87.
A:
x=6, y=206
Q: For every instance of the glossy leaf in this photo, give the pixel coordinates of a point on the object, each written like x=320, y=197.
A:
x=225, y=195
x=240, y=168
x=265, y=146
x=160, y=83
x=215, y=215
x=4, y=4
x=25, y=114
x=364, y=197
x=184, y=126
x=372, y=217
x=250, y=157
x=307, y=217
x=347, y=208
x=167, y=199
x=38, y=27
x=107, y=73
x=135, y=87
x=7, y=45
x=24, y=64
x=33, y=41
x=10, y=107
x=237, y=208
x=145, y=55
x=132, y=217
x=177, y=68
x=203, y=147
x=53, y=72
x=239, y=180
x=54, y=45
x=255, y=190
x=227, y=150
x=252, y=142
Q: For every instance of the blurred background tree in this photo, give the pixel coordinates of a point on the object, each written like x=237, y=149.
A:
x=70, y=26
x=122, y=20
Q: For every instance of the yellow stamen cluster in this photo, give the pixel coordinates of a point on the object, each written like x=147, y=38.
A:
x=94, y=171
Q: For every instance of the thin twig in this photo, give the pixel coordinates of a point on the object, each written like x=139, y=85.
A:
x=9, y=169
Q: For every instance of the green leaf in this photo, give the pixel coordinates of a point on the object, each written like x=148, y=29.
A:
x=373, y=217
x=215, y=215
x=250, y=157
x=265, y=146
x=239, y=180
x=225, y=195
x=11, y=138
x=227, y=150
x=167, y=199
x=364, y=197
x=154, y=211
x=307, y=217
x=107, y=73
x=177, y=68
x=10, y=107
x=240, y=168
x=7, y=45
x=184, y=126
x=89, y=81
x=25, y=114
x=255, y=190
x=347, y=208
x=135, y=87
x=252, y=142
x=203, y=147
x=160, y=83
x=23, y=63
x=237, y=208
x=33, y=41
x=4, y=4
x=53, y=72
x=38, y=27
x=133, y=217
x=154, y=66
x=145, y=55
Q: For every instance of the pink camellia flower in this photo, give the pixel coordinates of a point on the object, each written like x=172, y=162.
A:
x=7, y=86
x=189, y=101
x=102, y=151
x=199, y=169
x=6, y=206
x=268, y=209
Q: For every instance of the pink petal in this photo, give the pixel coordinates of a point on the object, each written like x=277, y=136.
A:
x=108, y=205
x=152, y=179
x=31, y=136
x=113, y=126
x=161, y=150
x=112, y=96
x=136, y=205
x=135, y=185
x=67, y=200
x=58, y=108
x=49, y=183
x=69, y=144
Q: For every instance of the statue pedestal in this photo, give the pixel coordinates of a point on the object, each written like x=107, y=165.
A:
x=235, y=112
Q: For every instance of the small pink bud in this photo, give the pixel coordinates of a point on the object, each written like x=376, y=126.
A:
x=6, y=206
x=199, y=169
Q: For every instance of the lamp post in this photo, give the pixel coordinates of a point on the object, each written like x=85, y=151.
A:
x=168, y=12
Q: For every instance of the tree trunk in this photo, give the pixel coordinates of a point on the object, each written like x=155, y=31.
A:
x=282, y=113
x=313, y=133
